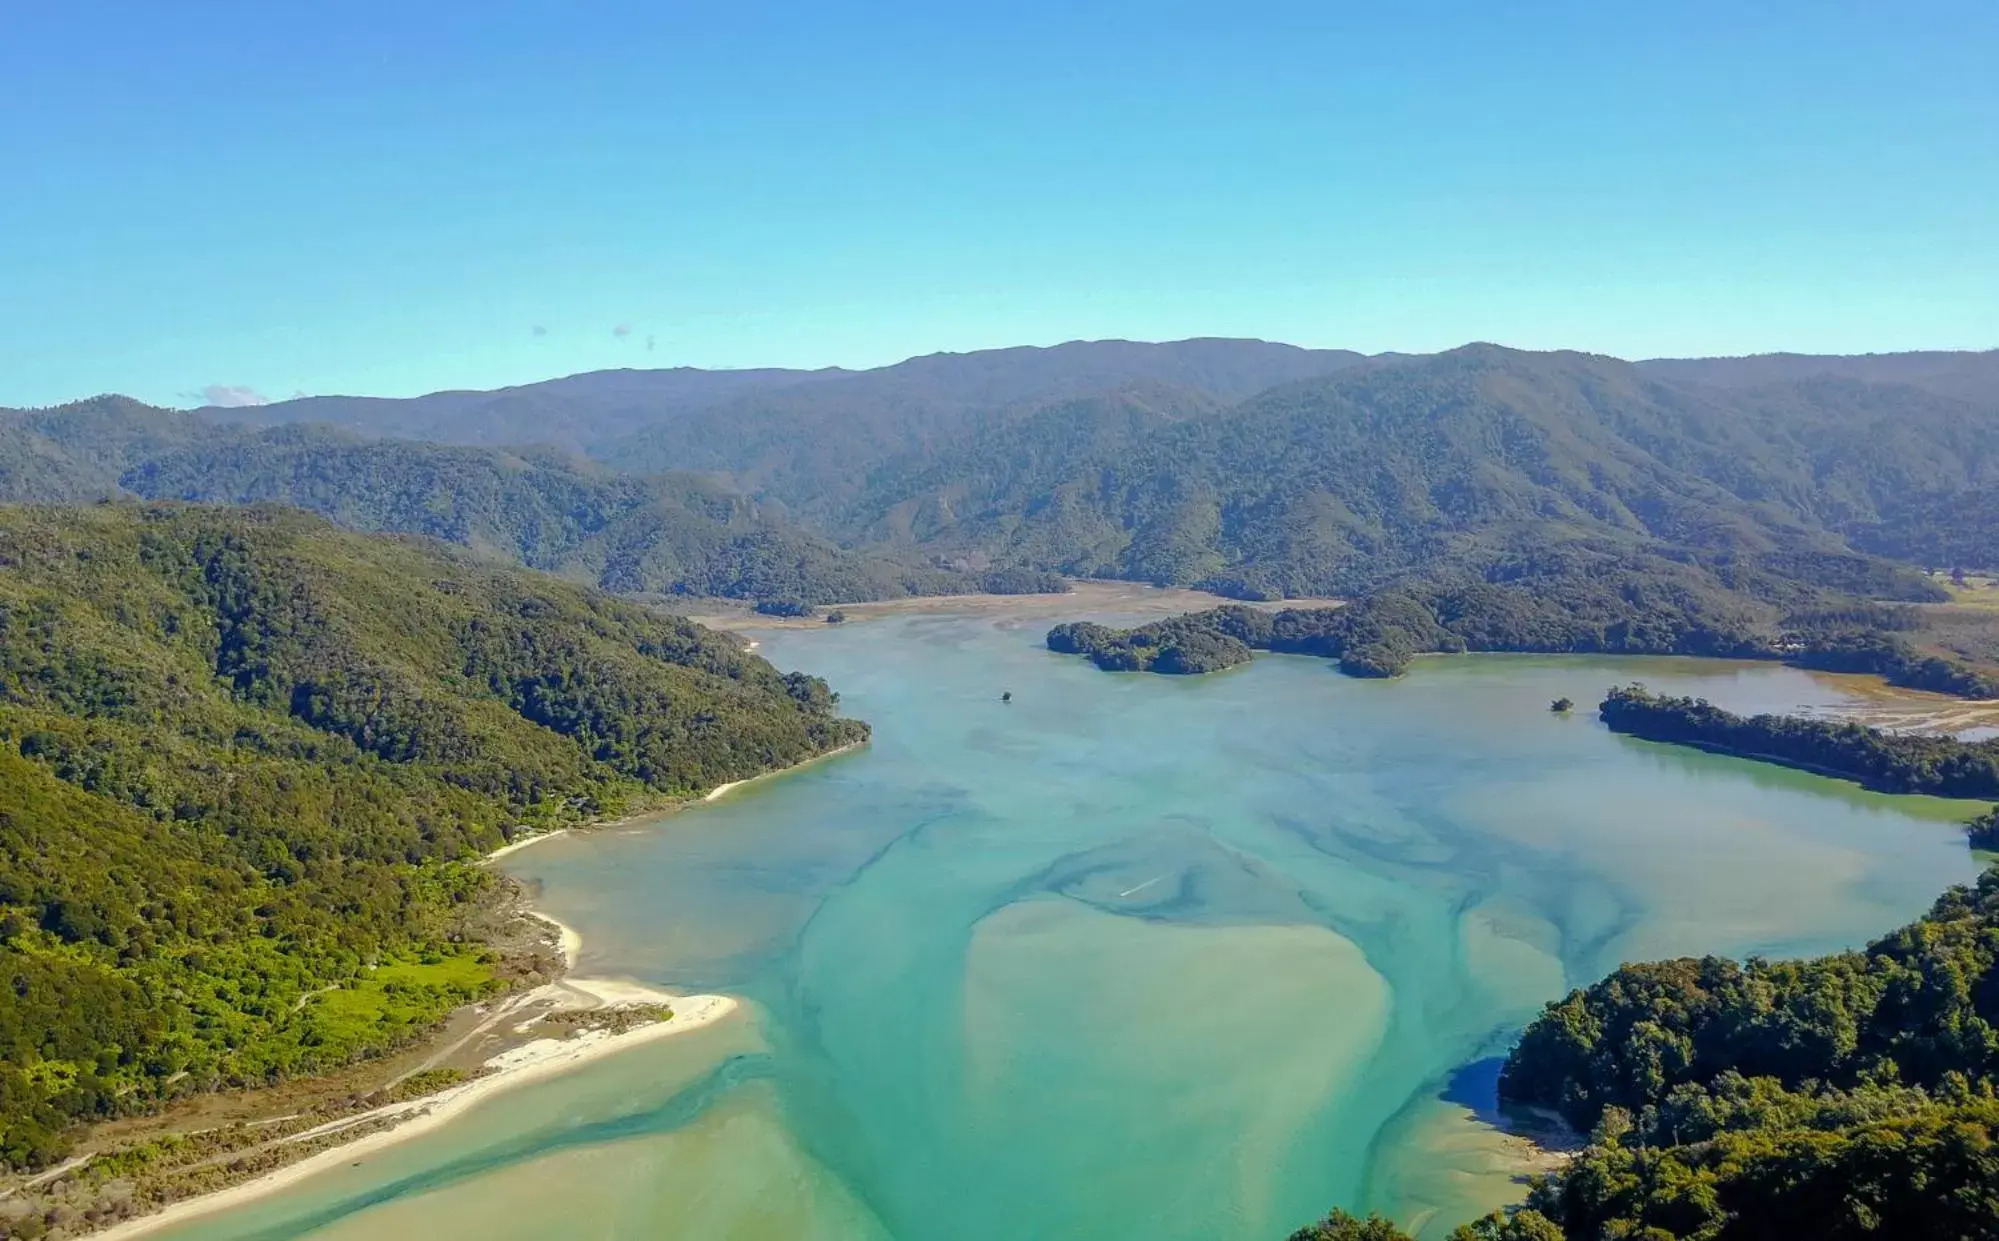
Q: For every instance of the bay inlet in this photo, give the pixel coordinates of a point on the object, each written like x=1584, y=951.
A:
x=1129, y=956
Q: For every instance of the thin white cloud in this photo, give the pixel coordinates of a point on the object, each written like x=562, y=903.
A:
x=230, y=396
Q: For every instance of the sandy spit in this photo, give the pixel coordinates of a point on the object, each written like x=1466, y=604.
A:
x=519, y=1066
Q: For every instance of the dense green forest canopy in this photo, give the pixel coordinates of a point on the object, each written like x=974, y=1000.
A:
x=246, y=757
x=1843, y=1098
x=1848, y=1096
x=548, y=509
x=1253, y=469
x=1892, y=762
x=1562, y=604
x=1339, y=484
x=1607, y=605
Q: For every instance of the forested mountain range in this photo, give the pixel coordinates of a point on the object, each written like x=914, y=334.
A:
x=244, y=757
x=1251, y=468
x=1343, y=482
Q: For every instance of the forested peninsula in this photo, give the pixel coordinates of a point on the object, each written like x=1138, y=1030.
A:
x=248, y=762
x=1889, y=762
x=1566, y=605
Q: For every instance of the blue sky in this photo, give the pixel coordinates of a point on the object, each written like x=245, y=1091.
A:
x=394, y=198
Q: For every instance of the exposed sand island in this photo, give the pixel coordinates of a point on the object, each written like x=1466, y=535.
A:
x=617, y=1014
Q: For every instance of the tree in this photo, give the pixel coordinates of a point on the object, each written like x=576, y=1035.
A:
x=1340, y=1226
x=1520, y=1225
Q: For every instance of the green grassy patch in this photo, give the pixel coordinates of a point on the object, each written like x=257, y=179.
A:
x=395, y=1000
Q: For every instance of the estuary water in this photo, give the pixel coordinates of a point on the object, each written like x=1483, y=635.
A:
x=1131, y=956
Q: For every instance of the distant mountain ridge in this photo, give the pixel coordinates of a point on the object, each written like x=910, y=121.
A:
x=539, y=506
x=1965, y=375
x=569, y=412
x=1249, y=467
x=598, y=408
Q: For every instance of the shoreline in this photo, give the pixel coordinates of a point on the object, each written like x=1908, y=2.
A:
x=1086, y=596
x=721, y=790
x=530, y=1062
x=714, y=794
x=524, y=842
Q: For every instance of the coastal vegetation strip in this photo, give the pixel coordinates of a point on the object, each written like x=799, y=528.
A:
x=552, y=1029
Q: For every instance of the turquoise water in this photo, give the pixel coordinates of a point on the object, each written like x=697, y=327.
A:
x=1131, y=956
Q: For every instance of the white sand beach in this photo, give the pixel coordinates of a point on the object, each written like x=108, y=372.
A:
x=524, y=842
x=721, y=790
x=518, y=1066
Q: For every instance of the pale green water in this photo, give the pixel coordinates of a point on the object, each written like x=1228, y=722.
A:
x=1131, y=957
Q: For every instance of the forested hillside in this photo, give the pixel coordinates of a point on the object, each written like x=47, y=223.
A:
x=818, y=448
x=1253, y=469
x=244, y=756
x=548, y=509
x=1342, y=483
x=1964, y=374
x=795, y=422
x=668, y=534
x=74, y=453
x=1848, y=1096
